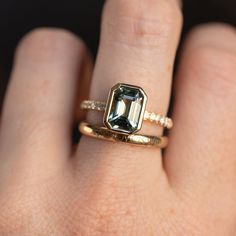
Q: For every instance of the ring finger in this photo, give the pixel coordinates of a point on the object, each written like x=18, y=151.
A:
x=138, y=46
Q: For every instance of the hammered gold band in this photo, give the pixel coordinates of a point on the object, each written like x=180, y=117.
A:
x=134, y=139
x=148, y=116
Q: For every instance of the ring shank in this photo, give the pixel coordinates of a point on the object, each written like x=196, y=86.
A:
x=148, y=116
x=134, y=139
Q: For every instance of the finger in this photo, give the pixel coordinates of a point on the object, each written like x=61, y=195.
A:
x=39, y=104
x=143, y=49
x=83, y=86
x=138, y=46
x=202, y=147
x=83, y=93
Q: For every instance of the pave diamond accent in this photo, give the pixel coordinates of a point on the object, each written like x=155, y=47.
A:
x=158, y=119
x=93, y=105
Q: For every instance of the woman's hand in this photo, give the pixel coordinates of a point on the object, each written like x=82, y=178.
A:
x=101, y=188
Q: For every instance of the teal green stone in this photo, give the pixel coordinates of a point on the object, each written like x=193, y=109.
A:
x=126, y=109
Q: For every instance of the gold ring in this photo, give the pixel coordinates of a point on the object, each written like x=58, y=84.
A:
x=135, y=139
x=125, y=109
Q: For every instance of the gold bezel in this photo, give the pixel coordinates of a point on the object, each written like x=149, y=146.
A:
x=109, y=105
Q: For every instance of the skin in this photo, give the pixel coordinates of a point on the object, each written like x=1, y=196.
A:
x=49, y=187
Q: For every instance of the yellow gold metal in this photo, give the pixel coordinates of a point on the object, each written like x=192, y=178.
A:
x=134, y=139
x=148, y=116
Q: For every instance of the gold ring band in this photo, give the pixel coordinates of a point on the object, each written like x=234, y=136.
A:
x=134, y=139
x=161, y=120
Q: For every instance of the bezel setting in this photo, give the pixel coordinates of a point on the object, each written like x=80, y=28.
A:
x=125, y=108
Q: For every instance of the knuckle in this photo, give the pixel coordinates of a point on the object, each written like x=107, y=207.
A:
x=14, y=216
x=47, y=43
x=141, y=23
x=214, y=67
x=24, y=205
x=218, y=63
x=108, y=211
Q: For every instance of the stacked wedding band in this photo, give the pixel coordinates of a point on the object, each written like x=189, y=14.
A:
x=135, y=139
x=124, y=113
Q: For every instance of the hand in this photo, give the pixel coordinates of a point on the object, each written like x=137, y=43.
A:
x=48, y=187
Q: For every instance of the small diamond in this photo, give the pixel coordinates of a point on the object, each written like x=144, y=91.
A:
x=162, y=121
x=157, y=120
x=152, y=117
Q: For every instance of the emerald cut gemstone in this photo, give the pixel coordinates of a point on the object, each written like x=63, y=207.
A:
x=125, y=108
